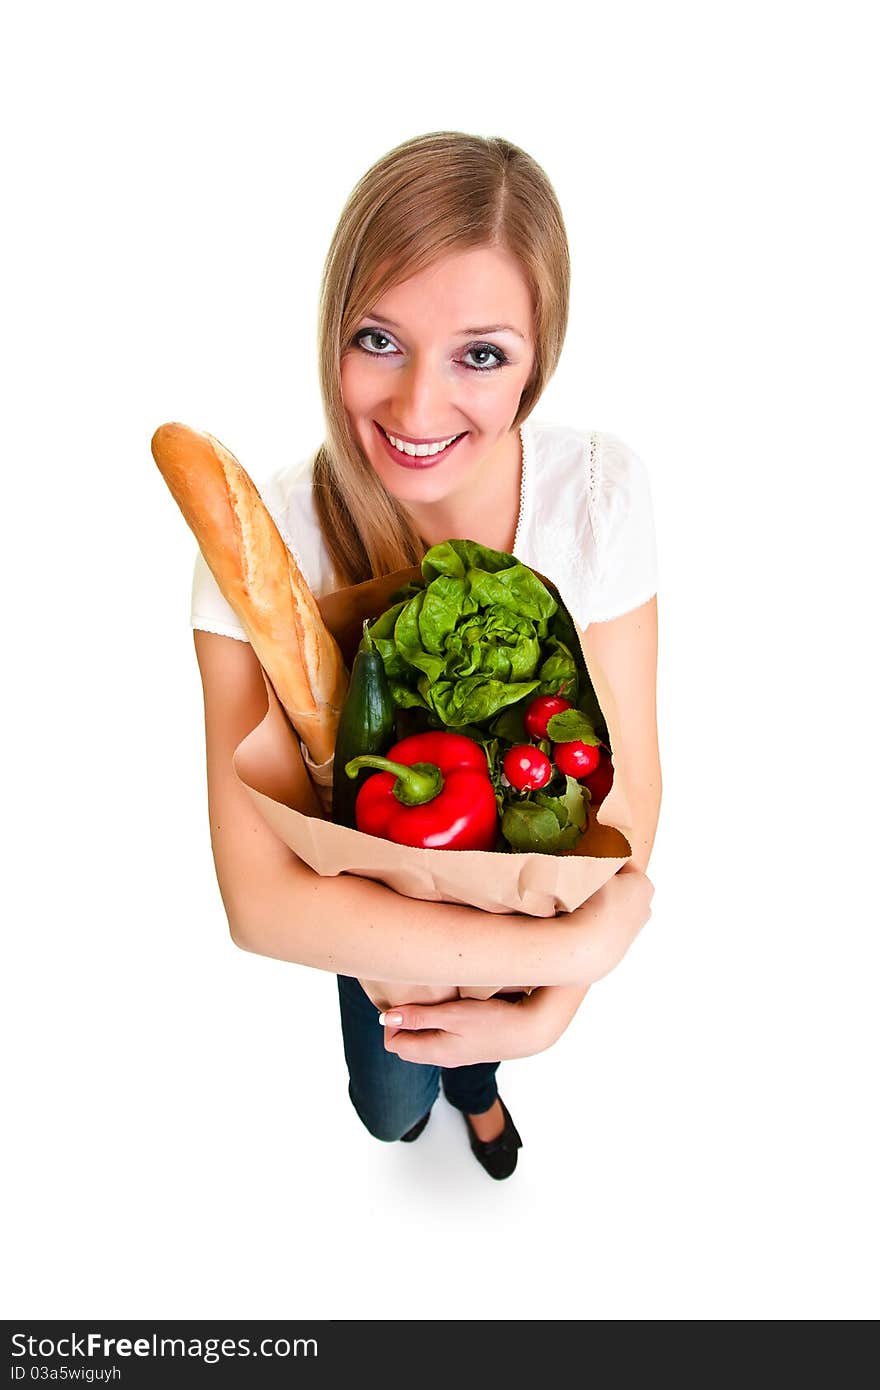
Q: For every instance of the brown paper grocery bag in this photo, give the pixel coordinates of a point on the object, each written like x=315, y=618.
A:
x=269, y=763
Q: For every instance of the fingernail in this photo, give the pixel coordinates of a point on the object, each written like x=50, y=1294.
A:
x=390, y=1018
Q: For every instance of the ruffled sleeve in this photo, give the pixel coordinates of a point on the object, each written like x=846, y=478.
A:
x=622, y=521
x=209, y=610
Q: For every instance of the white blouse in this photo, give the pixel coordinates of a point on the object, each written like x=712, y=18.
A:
x=586, y=521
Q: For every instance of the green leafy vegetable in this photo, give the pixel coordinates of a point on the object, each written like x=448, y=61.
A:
x=546, y=824
x=569, y=725
x=467, y=648
x=475, y=638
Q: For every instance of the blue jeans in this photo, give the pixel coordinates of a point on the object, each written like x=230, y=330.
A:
x=391, y=1095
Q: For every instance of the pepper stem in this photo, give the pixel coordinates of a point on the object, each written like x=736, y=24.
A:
x=414, y=786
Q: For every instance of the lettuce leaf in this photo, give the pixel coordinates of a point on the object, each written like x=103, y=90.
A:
x=475, y=638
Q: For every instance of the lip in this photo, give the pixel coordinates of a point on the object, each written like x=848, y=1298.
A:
x=407, y=460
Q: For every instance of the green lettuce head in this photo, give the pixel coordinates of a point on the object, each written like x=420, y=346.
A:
x=479, y=635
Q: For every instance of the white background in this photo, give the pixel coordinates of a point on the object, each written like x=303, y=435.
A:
x=700, y=1143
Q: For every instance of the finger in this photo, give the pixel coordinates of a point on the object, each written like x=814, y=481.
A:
x=415, y=1017
x=401, y=1035
x=428, y=1048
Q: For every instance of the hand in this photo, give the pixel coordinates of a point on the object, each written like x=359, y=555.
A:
x=555, y=1006
x=464, y=1031
x=611, y=919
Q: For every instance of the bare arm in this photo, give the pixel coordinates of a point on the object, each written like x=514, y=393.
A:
x=279, y=907
x=621, y=657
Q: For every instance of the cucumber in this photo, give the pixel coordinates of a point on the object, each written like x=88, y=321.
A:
x=366, y=725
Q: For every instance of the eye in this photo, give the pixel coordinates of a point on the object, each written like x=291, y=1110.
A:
x=499, y=358
x=365, y=333
x=498, y=355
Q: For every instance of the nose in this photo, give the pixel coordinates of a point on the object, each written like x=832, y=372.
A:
x=421, y=400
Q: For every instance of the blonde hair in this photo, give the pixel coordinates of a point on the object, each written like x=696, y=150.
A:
x=428, y=197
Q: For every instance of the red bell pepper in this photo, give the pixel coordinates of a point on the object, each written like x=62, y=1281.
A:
x=432, y=791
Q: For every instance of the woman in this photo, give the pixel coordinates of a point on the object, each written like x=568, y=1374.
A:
x=443, y=312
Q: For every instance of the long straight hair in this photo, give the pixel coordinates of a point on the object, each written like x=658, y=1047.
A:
x=430, y=196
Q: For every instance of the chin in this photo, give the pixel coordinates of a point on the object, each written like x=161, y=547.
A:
x=416, y=487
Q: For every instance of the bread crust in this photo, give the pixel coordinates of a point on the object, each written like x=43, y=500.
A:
x=259, y=579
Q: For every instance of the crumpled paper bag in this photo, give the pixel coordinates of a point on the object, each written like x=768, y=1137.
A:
x=268, y=762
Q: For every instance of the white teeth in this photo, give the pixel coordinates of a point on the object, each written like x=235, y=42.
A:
x=419, y=450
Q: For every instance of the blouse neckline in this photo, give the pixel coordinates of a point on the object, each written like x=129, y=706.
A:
x=524, y=483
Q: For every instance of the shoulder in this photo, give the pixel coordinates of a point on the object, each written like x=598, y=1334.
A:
x=619, y=487
x=289, y=497
x=587, y=519
x=284, y=490
x=560, y=466
x=621, y=518
x=613, y=474
x=553, y=440
x=606, y=462
x=618, y=471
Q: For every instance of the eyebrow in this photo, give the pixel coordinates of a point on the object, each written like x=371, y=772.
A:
x=462, y=332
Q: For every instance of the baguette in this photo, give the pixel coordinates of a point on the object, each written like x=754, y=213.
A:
x=259, y=578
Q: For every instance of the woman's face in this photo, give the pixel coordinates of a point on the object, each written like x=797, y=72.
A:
x=447, y=352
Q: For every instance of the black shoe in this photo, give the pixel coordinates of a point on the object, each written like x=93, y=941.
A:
x=498, y=1156
x=416, y=1130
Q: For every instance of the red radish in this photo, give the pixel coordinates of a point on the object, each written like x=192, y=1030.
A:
x=527, y=768
x=540, y=711
x=599, y=782
x=576, y=759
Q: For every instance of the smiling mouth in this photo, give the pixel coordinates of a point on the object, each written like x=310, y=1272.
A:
x=423, y=459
